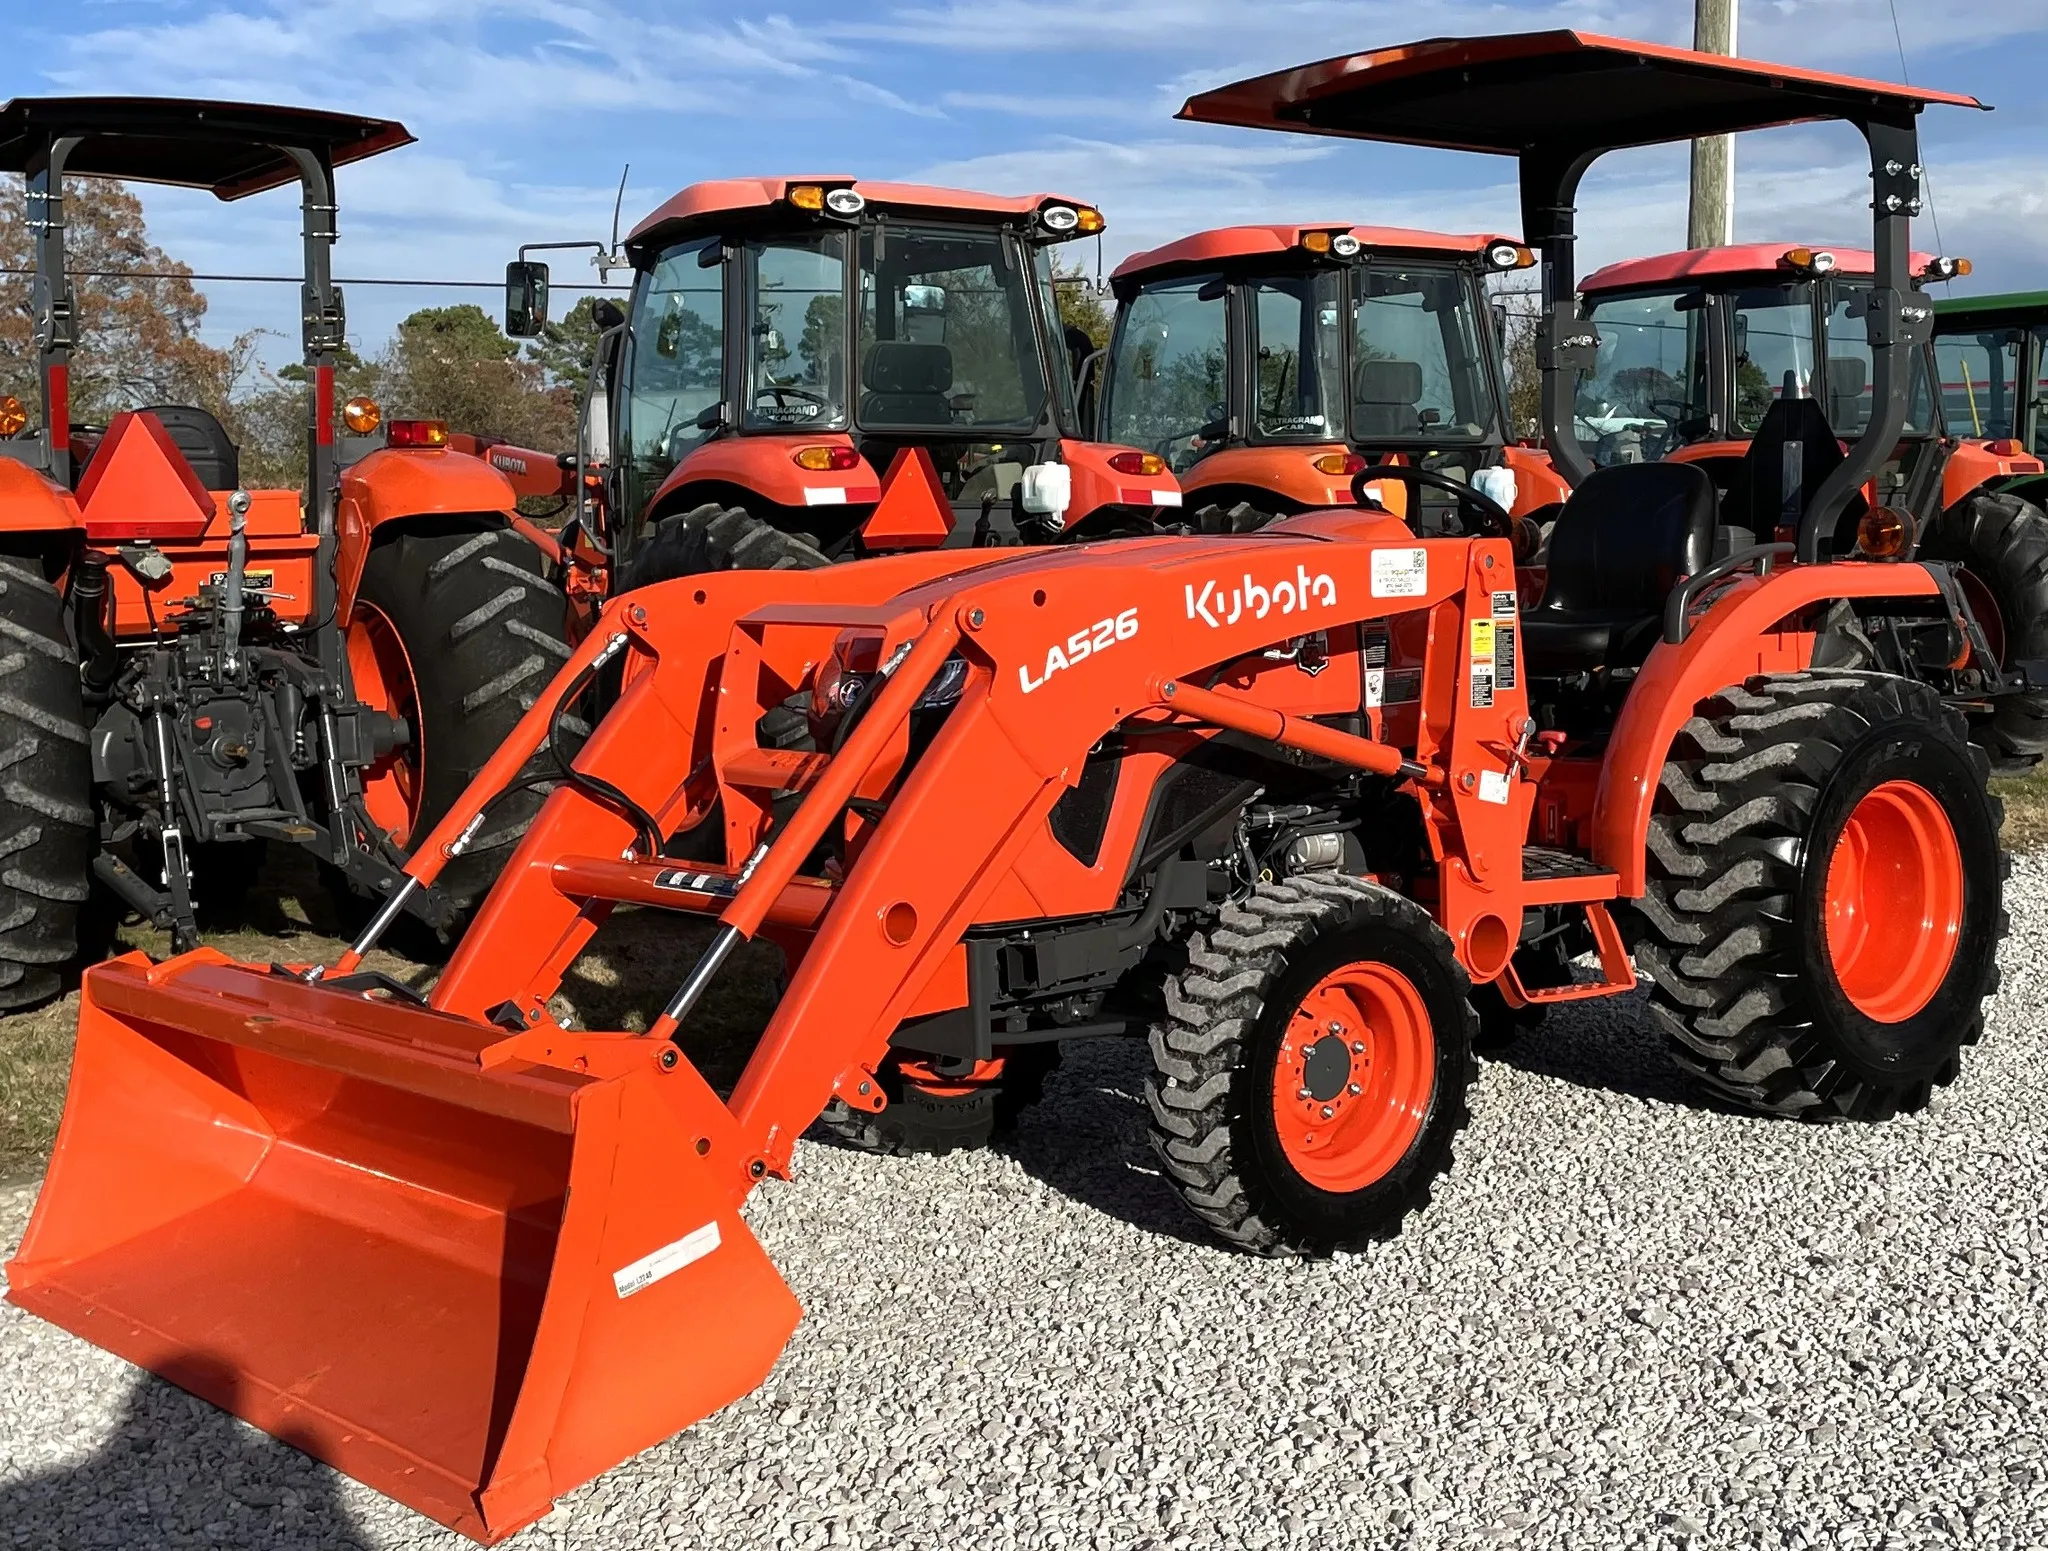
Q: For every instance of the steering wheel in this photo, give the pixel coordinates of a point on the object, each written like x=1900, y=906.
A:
x=1494, y=521
x=780, y=389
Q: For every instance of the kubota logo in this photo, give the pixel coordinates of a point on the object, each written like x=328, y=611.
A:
x=1080, y=646
x=1215, y=606
x=508, y=463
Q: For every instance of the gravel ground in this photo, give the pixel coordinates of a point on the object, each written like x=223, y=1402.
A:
x=1627, y=1320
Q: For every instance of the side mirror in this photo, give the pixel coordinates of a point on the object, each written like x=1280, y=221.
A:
x=1500, y=323
x=606, y=313
x=526, y=299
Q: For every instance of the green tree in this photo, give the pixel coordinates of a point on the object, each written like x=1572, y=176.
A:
x=566, y=348
x=138, y=311
x=1080, y=305
x=455, y=364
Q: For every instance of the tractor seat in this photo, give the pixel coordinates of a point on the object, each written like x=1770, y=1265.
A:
x=1790, y=457
x=1384, y=398
x=1622, y=541
x=906, y=383
x=204, y=442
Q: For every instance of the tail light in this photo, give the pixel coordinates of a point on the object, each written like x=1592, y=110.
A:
x=1137, y=463
x=13, y=416
x=821, y=459
x=363, y=415
x=1339, y=464
x=416, y=433
x=2004, y=447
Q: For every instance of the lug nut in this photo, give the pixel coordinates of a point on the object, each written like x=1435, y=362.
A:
x=1336, y=1027
x=1355, y=1089
x=1303, y=1094
x=1328, y=1112
x=1358, y=1047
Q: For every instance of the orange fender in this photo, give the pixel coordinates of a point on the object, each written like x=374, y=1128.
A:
x=395, y=483
x=1097, y=485
x=1973, y=464
x=1742, y=633
x=1537, y=481
x=32, y=503
x=766, y=466
x=1287, y=472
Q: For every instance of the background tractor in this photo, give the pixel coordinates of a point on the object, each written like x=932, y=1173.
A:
x=1269, y=364
x=1143, y=789
x=194, y=668
x=816, y=369
x=1697, y=347
x=1993, y=379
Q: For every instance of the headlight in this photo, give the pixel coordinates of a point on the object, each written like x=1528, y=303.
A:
x=846, y=201
x=1344, y=245
x=1059, y=218
x=946, y=684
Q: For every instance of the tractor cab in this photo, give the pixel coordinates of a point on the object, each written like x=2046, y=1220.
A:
x=1695, y=348
x=1269, y=365
x=878, y=366
x=1992, y=358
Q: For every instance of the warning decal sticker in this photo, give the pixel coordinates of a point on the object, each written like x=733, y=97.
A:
x=1482, y=663
x=1375, y=644
x=1504, y=656
x=1503, y=605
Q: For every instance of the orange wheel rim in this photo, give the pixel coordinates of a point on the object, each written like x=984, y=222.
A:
x=1352, y=1084
x=384, y=680
x=1894, y=903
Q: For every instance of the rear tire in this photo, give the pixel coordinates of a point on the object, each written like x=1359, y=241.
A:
x=923, y=1118
x=1255, y=1013
x=2002, y=541
x=716, y=538
x=1825, y=903
x=47, y=828
x=483, y=631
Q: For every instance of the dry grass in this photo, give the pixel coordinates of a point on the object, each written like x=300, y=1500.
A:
x=2026, y=810
x=621, y=982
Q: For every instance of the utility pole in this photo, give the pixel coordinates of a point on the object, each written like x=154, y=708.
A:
x=1710, y=223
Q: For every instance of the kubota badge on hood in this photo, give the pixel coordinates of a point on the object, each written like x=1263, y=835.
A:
x=1217, y=606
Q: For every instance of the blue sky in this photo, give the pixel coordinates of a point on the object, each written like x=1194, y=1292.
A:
x=526, y=111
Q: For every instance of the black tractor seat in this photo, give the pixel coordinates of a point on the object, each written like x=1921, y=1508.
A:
x=1621, y=542
x=204, y=442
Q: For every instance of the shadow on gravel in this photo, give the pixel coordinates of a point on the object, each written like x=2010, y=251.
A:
x=1089, y=1139
x=1610, y=1046
x=180, y=1472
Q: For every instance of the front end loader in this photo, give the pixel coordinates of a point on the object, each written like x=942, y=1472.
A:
x=1280, y=804
x=197, y=668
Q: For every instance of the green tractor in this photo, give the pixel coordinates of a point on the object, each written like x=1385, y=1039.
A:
x=1992, y=353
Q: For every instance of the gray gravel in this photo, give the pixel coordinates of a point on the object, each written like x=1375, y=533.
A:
x=1626, y=1321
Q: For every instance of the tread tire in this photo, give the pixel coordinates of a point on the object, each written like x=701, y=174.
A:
x=920, y=1123
x=1214, y=1051
x=48, y=832
x=716, y=538
x=2002, y=540
x=1730, y=931
x=485, y=630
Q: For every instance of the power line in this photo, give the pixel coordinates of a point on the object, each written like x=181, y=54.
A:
x=178, y=274
x=1926, y=182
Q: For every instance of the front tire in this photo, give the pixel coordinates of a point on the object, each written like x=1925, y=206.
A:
x=1310, y=1077
x=1825, y=902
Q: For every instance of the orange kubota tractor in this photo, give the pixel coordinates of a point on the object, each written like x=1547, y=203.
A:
x=1698, y=348
x=1270, y=364
x=1140, y=788
x=194, y=667
x=820, y=368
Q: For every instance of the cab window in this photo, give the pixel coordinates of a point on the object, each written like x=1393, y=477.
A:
x=1300, y=353
x=672, y=369
x=1167, y=390
x=1980, y=390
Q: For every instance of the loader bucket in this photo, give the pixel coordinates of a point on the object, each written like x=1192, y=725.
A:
x=471, y=1288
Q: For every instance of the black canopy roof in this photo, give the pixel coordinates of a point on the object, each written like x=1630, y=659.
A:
x=228, y=147
x=1515, y=92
